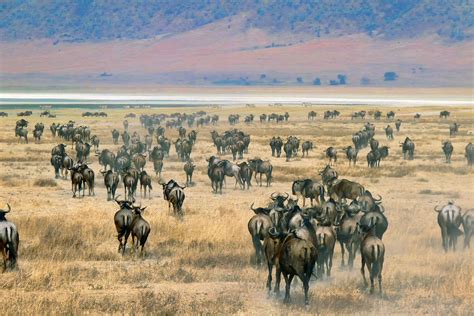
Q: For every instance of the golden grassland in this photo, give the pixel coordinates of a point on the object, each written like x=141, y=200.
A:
x=68, y=260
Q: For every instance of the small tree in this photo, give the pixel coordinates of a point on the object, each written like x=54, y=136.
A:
x=317, y=82
x=390, y=76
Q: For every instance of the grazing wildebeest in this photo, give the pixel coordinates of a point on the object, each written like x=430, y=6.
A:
x=468, y=225
x=449, y=219
x=389, y=132
x=296, y=256
x=174, y=194
x=453, y=129
x=372, y=251
x=123, y=223
x=140, y=230
x=9, y=240
x=344, y=189
x=351, y=154
x=261, y=167
x=145, y=182
x=189, y=170
x=111, y=181
x=308, y=189
x=398, y=123
x=444, y=114
x=447, y=150
x=245, y=174
x=331, y=154
x=469, y=154
x=408, y=148
x=258, y=227
x=306, y=146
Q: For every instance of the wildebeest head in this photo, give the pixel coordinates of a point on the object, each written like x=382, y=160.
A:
x=328, y=174
x=367, y=202
x=125, y=204
x=3, y=212
x=279, y=199
x=260, y=210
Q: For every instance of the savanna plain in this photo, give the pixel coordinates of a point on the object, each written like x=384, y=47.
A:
x=68, y=259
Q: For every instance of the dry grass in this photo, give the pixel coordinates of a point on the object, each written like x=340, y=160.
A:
x=203, y=265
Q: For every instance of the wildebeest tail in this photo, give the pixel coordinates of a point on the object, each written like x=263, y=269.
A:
x=11, y=245
x=258, y=227
x=293, y=188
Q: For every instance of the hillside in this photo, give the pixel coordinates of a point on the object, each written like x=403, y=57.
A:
x=92, y=20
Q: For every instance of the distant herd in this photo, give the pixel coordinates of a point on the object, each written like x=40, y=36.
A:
x=296, y=240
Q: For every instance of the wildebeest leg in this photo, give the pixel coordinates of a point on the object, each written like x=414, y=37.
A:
x=269, y=278
x=444, y=238
x=125, y=242
x=380, y=276
x=349, y=247
x=371, y=269
x=4, y=254
x=362, y=270
x=276, y=290
x=342, y=253
x=305, y=280
x=288, y=279
x=258, y=248
x=261, y=174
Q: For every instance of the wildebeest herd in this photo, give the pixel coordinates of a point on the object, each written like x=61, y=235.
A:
x=296, y=237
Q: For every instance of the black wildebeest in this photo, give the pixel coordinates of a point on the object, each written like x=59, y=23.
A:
x=372, y=252
x=140, y=230
x=447, y=150
x=111, y=181
x=258, y=227
x=174, y=194
x=145, y=182
x=296, y=256
x=449, y=220
x=189, y=170
x=351, y=154
x=408, y=148
x=123, y=221
x=308, y=188
x=468, y=225
x=469, y=154
x=331, y=154
x=261, y=167
x=9, y=240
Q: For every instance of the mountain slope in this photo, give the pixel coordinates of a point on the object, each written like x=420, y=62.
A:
x=94, y=20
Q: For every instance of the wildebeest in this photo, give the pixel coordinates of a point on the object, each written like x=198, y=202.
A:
x=331, y=154
x=95, y=142
x=140, y=230
x=115, y=136
x=261, y=167
x=21, y=132
x=158, y=167
x=374, y=156
x=468, y=226
x=230, y=169
x=88, y=176
x=390, y=115
x=77, y=181
x=372, y=251
x=325, y=242
x=308, y=188
x=398, y=123
x=145, y=182
x=106, y=158
x=389, y=132
x=125, y=125
x=276, y=143
x=328, y=175
x=444, y=114
x=346, y=223
x=351, y=154
x=408, y=148
x=296, y=256
x=111, y=181
x=447, y=150
x=453, y=129
x=469, y=154
x=258, y=227
x=344, y=189
x=9, y=240
x=174, y=194
x=245, y=174
x=216, y=174
x=139, y=161
x=306, y=146
x=375, y=218
x=449, y=220
x=123, y=221
x=312, y=115
x=189, y=170
x=57, y=163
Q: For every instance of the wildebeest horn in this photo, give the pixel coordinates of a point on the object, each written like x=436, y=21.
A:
x=379, y=199
x=287, y=196
x=273, y=196
x=9, y=209
x=436, y=209
x=251, y=207
x=273, y=232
